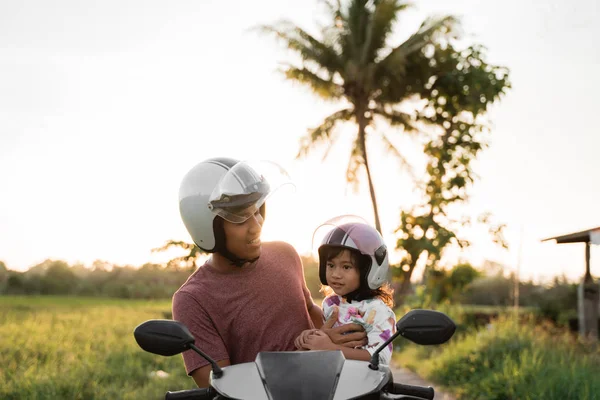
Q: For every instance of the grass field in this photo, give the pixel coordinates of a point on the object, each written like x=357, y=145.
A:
x=81, y=348
x=507, y=361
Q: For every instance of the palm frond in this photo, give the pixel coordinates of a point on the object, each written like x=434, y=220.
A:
x=193, y=252
x=404, y=164
x=326, y=89
x=418, y=40
x=334, y=8
x=406, y=70
x=323, y=133
x=355, y=23
x=334, y=32
x=397, y=118
x=380, y=26
x=305, y=45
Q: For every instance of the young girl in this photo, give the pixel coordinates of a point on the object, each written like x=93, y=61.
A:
x=353, y=263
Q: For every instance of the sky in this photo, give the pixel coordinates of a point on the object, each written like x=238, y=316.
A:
x=105, y=105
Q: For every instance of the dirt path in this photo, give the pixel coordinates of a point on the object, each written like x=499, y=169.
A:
x=403, y=375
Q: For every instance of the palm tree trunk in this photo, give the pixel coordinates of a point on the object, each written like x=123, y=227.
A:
x=362, y=124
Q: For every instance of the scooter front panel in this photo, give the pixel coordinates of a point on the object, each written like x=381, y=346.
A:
x=357, y=379
x=240, y=381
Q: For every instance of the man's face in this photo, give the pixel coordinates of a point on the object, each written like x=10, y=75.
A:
x=243, y=240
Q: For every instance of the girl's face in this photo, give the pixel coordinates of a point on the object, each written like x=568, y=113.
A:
x=342, y=273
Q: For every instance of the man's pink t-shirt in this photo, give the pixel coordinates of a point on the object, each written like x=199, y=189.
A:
x=260, y=307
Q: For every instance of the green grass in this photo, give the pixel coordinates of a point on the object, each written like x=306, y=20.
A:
x=510, y=361
x=81, y=348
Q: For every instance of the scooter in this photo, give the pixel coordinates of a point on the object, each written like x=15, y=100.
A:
x=300, y=375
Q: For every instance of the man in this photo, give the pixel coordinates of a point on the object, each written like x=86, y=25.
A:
x=249, y=296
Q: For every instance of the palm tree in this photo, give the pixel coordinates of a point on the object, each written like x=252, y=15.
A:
x=353, y=63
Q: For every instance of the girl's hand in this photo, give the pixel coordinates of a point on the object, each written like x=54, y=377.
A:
x=302, y=337
x=319, y=341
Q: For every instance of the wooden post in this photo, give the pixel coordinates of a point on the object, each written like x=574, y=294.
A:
x=588, y=299
x=518, y=277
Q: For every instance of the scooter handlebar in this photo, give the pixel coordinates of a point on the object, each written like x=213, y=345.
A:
x=398, y=391
x=192, y=394
x=421, y=392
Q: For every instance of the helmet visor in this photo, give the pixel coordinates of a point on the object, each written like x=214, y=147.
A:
x=244, y=189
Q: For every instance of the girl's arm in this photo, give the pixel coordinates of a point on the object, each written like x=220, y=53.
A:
x=383, y=322
x=315, y=313
x=321, y=341
x=354, y=354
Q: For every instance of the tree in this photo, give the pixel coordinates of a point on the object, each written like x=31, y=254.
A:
x=459, y=95
x=188, y=260
x=15, y=284
x=427, y=230
x=444, y=284
x=352, y=62
x=4, y=274
x=59, y=279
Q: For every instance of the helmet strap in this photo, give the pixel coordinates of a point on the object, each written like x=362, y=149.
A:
x=234, y=260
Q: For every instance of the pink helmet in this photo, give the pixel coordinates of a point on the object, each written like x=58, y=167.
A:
x=353, y=232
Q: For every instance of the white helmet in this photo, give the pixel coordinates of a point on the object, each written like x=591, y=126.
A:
x=353, y=232
x=231, y=189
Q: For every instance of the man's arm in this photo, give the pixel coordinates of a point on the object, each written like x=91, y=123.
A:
x=188, y=311
x=320, y=341
x=201, y=375
x=349, y=335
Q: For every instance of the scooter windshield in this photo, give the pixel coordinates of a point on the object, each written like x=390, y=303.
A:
x=298, y=375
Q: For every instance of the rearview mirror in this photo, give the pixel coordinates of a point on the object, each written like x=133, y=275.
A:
x=164, y=337
x=421, y=327
x=426, y=327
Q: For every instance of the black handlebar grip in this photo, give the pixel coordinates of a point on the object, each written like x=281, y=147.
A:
x=425, y=392
x=192, y=394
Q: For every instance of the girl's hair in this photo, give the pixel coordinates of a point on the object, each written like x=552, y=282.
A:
x=385, y=292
